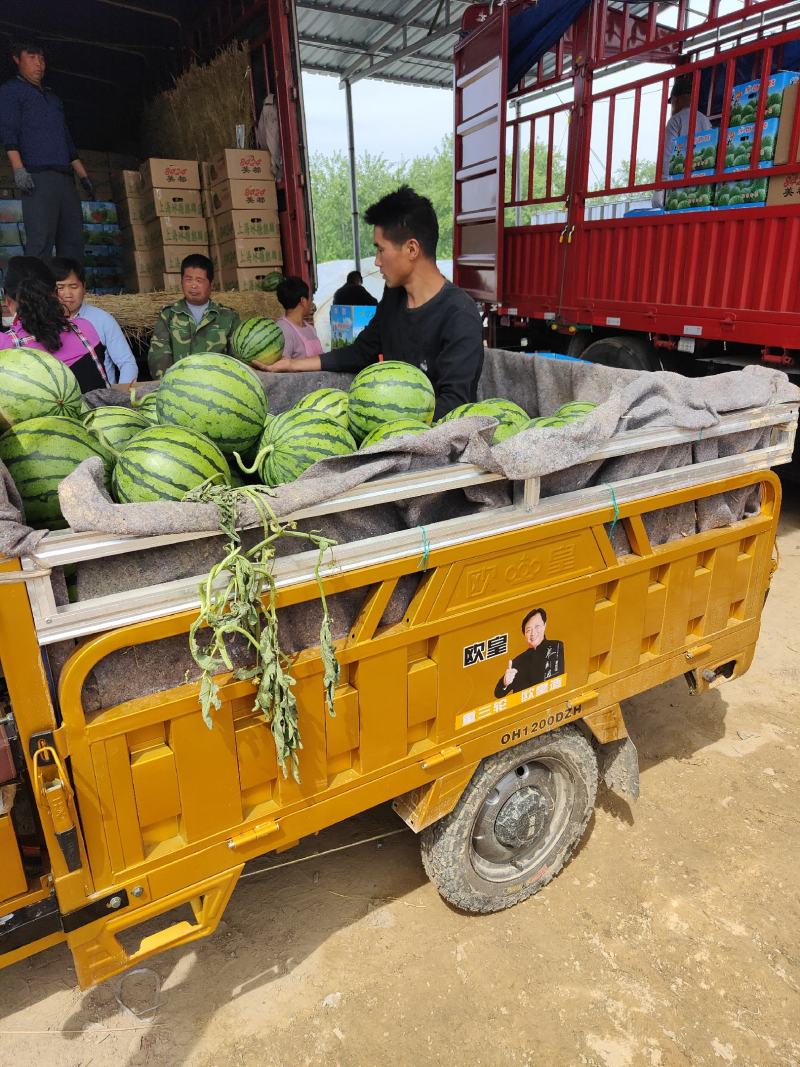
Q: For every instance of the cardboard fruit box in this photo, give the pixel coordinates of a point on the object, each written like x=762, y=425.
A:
x=231, y=225
x=244, y=195
x=171, y=173
x=751, y=192
x=240, y=163
x=172, y=202
x=783, y=189
x=704, y=152
x=134, y=209
x=744, y=98
x=251, y=252
x=739, y=145
x=181, y=231
x=782, y=144
x=247, y=279
x=127, y=183
x=99, y=211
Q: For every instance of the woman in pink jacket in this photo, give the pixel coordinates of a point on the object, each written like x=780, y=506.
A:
x=40, y=321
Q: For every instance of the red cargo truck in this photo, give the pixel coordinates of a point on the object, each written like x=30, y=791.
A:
x=560, y=144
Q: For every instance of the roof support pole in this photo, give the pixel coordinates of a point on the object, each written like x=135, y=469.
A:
x=351, y=152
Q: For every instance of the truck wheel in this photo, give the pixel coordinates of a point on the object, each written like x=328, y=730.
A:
x=516, y=824
x=627, y=353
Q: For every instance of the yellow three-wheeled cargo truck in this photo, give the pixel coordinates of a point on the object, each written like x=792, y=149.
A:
x=488, y=713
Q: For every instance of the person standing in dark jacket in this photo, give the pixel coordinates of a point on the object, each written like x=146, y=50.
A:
x=422, y=318
x=353, y=293
x=43, y=157
x=540, y=661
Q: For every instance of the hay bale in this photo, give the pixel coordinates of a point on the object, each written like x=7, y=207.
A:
x=198, y=117
x=136, y=312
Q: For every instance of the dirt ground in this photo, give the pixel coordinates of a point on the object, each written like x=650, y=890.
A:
x=672, y=938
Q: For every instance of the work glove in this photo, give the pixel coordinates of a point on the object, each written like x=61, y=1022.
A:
x=88, y=188
x=23, y=180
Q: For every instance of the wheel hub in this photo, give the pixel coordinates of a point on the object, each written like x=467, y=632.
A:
x=522, y=817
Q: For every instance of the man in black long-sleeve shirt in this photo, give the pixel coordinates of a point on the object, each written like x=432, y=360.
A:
x=422, y=318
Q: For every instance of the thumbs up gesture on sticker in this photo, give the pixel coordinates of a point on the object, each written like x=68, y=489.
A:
x=510, y=674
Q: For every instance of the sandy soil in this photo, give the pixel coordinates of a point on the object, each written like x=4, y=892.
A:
x=673, y=937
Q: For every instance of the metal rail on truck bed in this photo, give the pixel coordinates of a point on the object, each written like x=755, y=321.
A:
x=61, y=622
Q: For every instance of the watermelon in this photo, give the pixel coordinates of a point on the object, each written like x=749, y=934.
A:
x=385, y=392
x=332, y=401
x=295, y=440
x=575, y=407
x=34, y=384
x=398, y=428
x=215, y=395
x=115, y=425
x=39, y=453
x=548, y=421
x=146, y=406
x=272, y=281
x=457, y=413
x=164, y=463
x=509, y=415
x=257, y=338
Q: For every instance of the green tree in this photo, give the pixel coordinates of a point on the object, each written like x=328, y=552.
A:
x=430, y=174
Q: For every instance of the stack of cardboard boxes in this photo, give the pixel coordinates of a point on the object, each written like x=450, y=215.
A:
x=780, y=102
x=161, y=210
x=241, y=206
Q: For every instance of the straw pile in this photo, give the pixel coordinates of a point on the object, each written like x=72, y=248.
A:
x=198, y=117
x=136, y=312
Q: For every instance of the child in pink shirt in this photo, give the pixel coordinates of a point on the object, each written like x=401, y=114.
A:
x=300, y=338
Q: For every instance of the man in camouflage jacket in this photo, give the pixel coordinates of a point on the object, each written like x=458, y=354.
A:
x=194, y=324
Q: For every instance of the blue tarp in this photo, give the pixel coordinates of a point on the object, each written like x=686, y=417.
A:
x=535, y=30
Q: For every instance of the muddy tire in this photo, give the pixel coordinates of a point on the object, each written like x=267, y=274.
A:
x=627, y=353
x=516, y=824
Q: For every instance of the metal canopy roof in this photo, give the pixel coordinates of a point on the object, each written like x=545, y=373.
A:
x=388, y=39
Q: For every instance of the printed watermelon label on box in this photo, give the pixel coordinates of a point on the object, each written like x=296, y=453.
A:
x=704, y=153
x=748, y=193
x=99, y=211
x=739, y=145
x=744, y=98
x=347, y=322
x=109, y=234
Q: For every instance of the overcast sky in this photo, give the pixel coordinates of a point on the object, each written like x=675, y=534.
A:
x=397, y=121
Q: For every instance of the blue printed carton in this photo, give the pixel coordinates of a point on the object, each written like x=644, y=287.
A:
x=744, y=98
x=347, y=322
x=99, y=211
x=739, y=145
x=704, y=156
x=10, y=210
x=96, y=234
x=11, y=233
x=750, y=192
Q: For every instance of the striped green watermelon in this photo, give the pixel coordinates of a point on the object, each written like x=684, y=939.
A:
x=575, y=407
x=216, y=396
x=457, y=413
x=398, y=428
x=295, y=440
x=164, y=463
x=509, y=415
x=39, y=454
x=34, y=384
x=385, y=392
x=257, y=338
x=332, y=401
x=272, y=281
x=548, y=421
x=115, y=425
x=146, y=406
